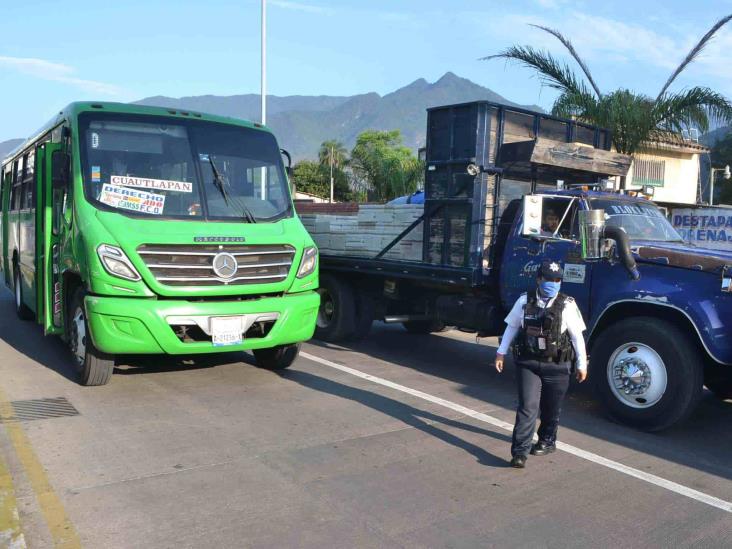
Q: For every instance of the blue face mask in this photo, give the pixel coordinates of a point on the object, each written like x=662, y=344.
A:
x=549, y=289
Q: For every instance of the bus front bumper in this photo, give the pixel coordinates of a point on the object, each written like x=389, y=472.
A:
x=121, y=325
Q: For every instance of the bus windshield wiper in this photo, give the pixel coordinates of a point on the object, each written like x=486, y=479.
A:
x=221, y=185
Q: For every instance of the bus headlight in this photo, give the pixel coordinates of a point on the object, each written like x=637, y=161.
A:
x=308, y=263
x=117, y=263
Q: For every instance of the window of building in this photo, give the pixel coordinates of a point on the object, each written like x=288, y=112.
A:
x=647, y=171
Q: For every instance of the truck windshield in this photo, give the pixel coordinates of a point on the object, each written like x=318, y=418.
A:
x=161, y=167
x=640, y=221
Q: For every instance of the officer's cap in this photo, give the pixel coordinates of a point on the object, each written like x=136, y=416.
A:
x=551, y=269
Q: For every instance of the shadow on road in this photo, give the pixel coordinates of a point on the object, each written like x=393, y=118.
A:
x=414, y=417
x=701, y=442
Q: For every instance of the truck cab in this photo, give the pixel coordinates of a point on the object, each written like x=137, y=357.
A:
x=658, y=310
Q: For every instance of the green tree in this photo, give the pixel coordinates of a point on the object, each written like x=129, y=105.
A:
x=386, y=167
x=722, y=156
x=333, y=151
x=632, y=117
x=313, y=178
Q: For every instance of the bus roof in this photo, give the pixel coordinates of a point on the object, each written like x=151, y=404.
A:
x=72, y=110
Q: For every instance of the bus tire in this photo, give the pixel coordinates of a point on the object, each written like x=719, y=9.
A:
x=277, y=358
x=337, y=314
x=21, y=309
x=424, y=326
x=94, y=367
x=647, y=373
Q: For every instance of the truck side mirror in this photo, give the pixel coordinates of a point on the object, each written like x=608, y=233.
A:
x=60, y=164
x=288, y=167
x=592, y=231
x=532, y=215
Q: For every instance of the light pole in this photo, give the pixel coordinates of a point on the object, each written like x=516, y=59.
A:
x=727, y=175
x=263, y=171
x=331, y=174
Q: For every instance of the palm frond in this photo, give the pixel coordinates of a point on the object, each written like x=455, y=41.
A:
x=693, y=107
x=570, y=48
x=551, y=72
x=582, y=106
x=695, y=51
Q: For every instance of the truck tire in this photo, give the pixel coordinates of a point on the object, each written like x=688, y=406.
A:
x=277, y=358
x=337, y=314
x=21, y=309
x=647, y=373
x=424, y=326
x=94, y=367
x=365, y=313
x=718, y=380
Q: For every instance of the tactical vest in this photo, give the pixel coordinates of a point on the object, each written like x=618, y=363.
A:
x=541, y=337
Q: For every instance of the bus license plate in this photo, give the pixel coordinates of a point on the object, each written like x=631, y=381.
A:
x=225, y=331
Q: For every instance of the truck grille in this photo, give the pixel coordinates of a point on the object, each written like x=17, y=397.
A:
x=186, y=265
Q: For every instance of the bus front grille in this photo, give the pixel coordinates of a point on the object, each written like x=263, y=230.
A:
x=190, y=265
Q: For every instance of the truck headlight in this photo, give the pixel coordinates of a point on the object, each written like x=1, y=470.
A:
x=308, y=263
x=117, y=263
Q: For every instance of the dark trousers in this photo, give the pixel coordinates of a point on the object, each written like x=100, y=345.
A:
x=541, y=389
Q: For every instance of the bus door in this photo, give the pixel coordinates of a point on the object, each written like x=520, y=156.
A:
x=50, y=204
x=27, y=231
x=7, y=183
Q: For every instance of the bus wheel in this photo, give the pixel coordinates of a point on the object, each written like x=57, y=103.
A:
x=277, y=358
x=21, y=309
x=94, y=367
x=337, y=314
x=647, y=373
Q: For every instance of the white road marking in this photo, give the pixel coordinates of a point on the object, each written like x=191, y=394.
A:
x=589, y=456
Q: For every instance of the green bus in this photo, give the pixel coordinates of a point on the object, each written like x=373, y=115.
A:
x=143, y=230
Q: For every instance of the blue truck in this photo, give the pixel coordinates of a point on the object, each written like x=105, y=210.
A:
x=506, y=188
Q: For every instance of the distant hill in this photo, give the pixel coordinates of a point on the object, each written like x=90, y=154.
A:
x=8, y=146
x=711, y=137
x=302, y=123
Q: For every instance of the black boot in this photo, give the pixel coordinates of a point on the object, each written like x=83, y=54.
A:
x=542, y=448
x=519, y=462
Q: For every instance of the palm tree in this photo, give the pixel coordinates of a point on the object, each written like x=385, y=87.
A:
x=333, y=153
x=633, y=118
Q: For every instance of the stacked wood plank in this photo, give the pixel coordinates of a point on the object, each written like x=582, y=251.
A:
x=368, y=231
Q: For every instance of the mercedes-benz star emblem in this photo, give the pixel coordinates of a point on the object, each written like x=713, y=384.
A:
x=224, y=265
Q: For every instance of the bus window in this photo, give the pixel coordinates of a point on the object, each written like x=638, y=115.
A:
x=29, y=184
x=15, y=191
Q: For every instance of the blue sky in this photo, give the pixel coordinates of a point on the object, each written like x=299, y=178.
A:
x=54, y=52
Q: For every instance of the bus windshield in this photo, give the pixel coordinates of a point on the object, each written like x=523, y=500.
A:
x=161, y=167
x=640, y=221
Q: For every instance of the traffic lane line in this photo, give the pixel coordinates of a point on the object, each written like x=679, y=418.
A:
x=11, y=535
x=568, y=448
x=62, y=531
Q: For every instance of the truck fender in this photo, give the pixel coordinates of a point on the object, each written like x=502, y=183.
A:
x=624, y=308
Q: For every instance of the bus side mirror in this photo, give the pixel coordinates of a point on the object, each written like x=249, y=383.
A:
x=60, y=164
x=592, y=233
x=288, y=167
x=532, y=215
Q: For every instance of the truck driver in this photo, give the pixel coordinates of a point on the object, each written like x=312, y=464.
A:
x=549, y=327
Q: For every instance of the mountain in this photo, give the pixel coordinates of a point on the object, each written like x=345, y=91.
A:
x=302, y=123
x=711, y=137
x=8, y=146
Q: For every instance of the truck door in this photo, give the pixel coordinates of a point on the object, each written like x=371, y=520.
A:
x=524, y=254
x=50, y=202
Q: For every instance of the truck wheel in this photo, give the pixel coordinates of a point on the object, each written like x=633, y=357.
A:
x=647, y=373
x=365, y=312
x=277, y=358
x=424, y=326
x=21, y=309
x=718, y=380
x=337, y=314
x=95, y=367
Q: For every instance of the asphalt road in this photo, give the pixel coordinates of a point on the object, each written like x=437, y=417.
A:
x=217, y=453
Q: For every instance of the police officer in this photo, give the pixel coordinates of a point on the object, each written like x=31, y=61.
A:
x=549, y=327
